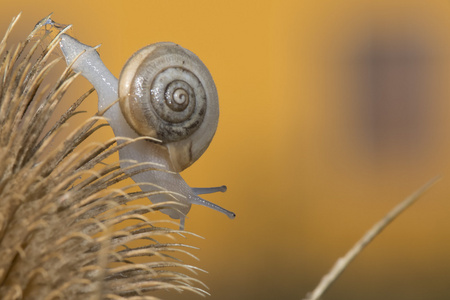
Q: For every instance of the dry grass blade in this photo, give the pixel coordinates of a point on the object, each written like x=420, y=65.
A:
x=342, y=263
x=65, y=231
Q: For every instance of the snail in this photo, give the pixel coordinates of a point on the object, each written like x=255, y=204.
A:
x=167, y=93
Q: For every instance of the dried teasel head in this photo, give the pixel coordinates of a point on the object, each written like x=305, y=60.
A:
x=59, y=210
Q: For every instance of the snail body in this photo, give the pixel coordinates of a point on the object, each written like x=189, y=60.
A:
x=165, y=92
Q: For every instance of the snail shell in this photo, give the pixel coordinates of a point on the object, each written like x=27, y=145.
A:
x=175, y=81
x=166, y=92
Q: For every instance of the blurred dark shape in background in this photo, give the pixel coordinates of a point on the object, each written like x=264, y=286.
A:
x=394, y=70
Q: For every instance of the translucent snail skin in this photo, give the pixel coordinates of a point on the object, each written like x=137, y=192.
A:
x=167, y=94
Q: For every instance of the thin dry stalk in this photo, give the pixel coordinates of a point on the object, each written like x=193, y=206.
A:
x=343, y=262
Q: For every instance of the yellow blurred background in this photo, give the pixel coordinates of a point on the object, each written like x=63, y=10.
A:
x=332, y=112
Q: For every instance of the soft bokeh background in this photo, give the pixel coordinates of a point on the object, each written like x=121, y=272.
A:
x=331, y=113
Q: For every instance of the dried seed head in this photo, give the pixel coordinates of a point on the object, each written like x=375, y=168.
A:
x=58, y=206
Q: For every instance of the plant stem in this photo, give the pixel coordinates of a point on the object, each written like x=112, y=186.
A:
x=344, y=261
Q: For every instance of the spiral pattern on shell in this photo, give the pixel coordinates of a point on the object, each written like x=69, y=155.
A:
x=166, y=92
x=178, y=103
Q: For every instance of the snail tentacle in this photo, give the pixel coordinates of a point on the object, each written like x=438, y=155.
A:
x=210, y=190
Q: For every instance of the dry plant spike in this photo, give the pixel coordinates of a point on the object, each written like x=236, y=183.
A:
x=343, y=262
x=66, y=230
